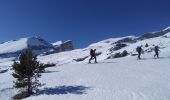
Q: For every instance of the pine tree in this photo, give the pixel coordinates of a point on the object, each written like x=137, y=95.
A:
x=27, y=71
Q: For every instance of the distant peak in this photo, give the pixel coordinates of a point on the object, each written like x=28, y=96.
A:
x=57, y=43
x=34, y=37
x=130, y=36
x=166, y=28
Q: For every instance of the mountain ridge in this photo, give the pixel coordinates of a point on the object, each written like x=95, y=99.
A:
x=39, y=45
x=15, y=47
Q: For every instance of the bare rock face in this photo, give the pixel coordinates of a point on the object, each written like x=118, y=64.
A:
x=66, y=46
x=119, y=54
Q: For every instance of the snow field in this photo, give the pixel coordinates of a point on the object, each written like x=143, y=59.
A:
x=116, y=79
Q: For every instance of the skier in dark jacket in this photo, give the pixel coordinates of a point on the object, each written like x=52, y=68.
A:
x=156, y=49
x=139, y=50
x=93, y=55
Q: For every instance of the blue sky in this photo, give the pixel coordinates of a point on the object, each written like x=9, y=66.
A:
x=83, y=21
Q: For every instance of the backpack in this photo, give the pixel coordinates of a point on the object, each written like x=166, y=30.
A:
x=91, y=52
x=156, y=48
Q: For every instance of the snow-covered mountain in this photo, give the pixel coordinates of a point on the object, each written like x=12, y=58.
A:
x=111, y=79
x=154, y=34
x=112, y=48
x=15, y=47
x=57, y=43
x=105, y=48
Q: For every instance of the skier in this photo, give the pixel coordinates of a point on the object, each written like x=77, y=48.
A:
x=156, y=49
x=93, y=55
x=139, y=50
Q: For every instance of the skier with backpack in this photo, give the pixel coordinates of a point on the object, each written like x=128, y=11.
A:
x=93, y=55
x=139, y=50
x=156, y=49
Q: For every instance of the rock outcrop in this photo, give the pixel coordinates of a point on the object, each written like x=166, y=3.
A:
x=66, y=46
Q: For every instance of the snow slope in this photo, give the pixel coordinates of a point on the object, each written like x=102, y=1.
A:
x=11, y=46
x=167, y=35
x=16, y=46
x=115, y=79
x=70, y=56
x=104, y=47
x=111, y=79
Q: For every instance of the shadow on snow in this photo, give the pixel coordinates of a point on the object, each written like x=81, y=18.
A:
x=64, y=90
x=154, y=58
x=50, y=71
x=3, y=71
